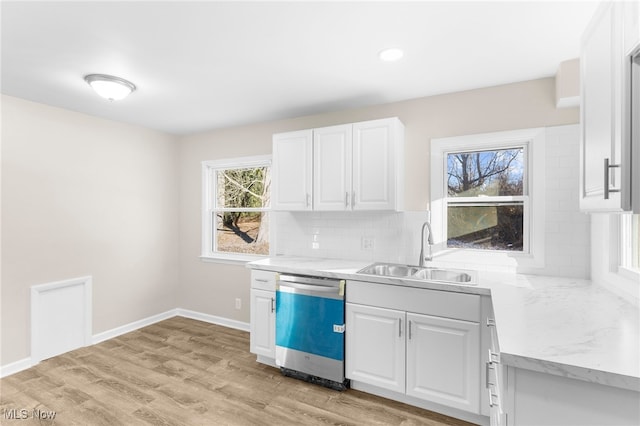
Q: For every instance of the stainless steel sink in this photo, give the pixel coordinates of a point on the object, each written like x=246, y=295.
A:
x=449, y=275
x=390, y=270
x=453, y=276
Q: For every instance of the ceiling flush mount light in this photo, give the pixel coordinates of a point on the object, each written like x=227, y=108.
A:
x=391, y=55
x=110, y=87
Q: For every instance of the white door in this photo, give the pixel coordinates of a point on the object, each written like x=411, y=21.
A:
x=601, y=112
x=291, y=172
x=332, y=168
x=375, y=346
x=263, y=323
x=374, y=164
x=443, y=361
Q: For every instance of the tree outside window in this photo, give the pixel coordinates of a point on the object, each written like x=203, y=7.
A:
x=237, y=198
x=485, y=199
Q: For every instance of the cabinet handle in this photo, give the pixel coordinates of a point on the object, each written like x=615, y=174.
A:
x=410, y=329
x=346, y=199
x=488, y=366
x=261, y=280
x=493, y=357
x=491, y=403
x=608, y=166
x=273, y=307
x=491, y=322
x=399, y=327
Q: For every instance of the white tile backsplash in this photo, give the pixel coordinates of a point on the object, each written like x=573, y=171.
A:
x=340, y=234
x=396, y=235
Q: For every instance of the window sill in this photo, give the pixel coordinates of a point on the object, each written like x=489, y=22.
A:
x=629, y=274
x=490, y=259
x=624, y=282
x=231, y=259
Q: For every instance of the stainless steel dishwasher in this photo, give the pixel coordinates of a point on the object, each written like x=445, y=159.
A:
x=310, y=329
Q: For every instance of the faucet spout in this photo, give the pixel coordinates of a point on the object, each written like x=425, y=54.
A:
x=429, y=241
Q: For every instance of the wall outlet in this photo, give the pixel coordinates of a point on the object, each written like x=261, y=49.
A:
x=238, y=303
x=368, y=243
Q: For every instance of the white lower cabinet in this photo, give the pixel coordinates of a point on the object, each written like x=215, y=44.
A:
x=443, y=361
x=494, y=396
x=431, y=358
x=262, y=340
x=375, y=346
x=541, y=399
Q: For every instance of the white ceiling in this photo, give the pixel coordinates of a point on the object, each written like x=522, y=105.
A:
x=205, y=65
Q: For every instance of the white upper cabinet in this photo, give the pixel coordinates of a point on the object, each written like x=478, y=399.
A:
x=378, y=156
x=604, y=167
x=292, y=169
x=332, y=168
x=355, y=166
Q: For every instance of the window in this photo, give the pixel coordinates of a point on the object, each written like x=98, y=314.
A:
x=630, y=242
x=482, y=189
x=485, y=199
x=236, y=200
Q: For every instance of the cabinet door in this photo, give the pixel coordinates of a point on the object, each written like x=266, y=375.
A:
x=332, y=168
x=601, y=112
x=375, y=346
x=377, y=154
x=263, y=325
x=443, y=361
x=292, y=170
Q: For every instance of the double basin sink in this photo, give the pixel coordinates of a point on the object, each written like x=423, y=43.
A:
x=421, y=273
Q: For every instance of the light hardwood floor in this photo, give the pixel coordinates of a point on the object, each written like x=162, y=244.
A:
x=186, y=372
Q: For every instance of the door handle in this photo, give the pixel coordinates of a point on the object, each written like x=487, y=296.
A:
x=608, y=166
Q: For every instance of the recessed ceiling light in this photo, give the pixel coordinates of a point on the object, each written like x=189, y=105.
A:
x=110, y=87
x=391, y=55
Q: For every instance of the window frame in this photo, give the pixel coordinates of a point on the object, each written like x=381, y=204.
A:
x=494, y=200
x=209, y=197
x=625, y=241
x=533, y=141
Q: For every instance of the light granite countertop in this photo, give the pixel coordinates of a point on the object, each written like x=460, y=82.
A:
x=568, y=327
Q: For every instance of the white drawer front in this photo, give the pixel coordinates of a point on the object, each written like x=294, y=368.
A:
x=263, y=280
x=421, y=301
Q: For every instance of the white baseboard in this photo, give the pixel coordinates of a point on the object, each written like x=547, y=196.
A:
x=16, y=367
x=132, y=326
x=212, y=319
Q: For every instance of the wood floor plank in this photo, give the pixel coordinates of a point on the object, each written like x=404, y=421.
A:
x=187, y=372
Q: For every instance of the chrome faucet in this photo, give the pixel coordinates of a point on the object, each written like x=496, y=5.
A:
x=429, y=241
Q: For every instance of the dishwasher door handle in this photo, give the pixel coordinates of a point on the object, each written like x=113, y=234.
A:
x=310, y=287
x=296, y=279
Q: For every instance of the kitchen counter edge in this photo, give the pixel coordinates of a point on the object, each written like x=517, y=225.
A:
x=518, y=300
